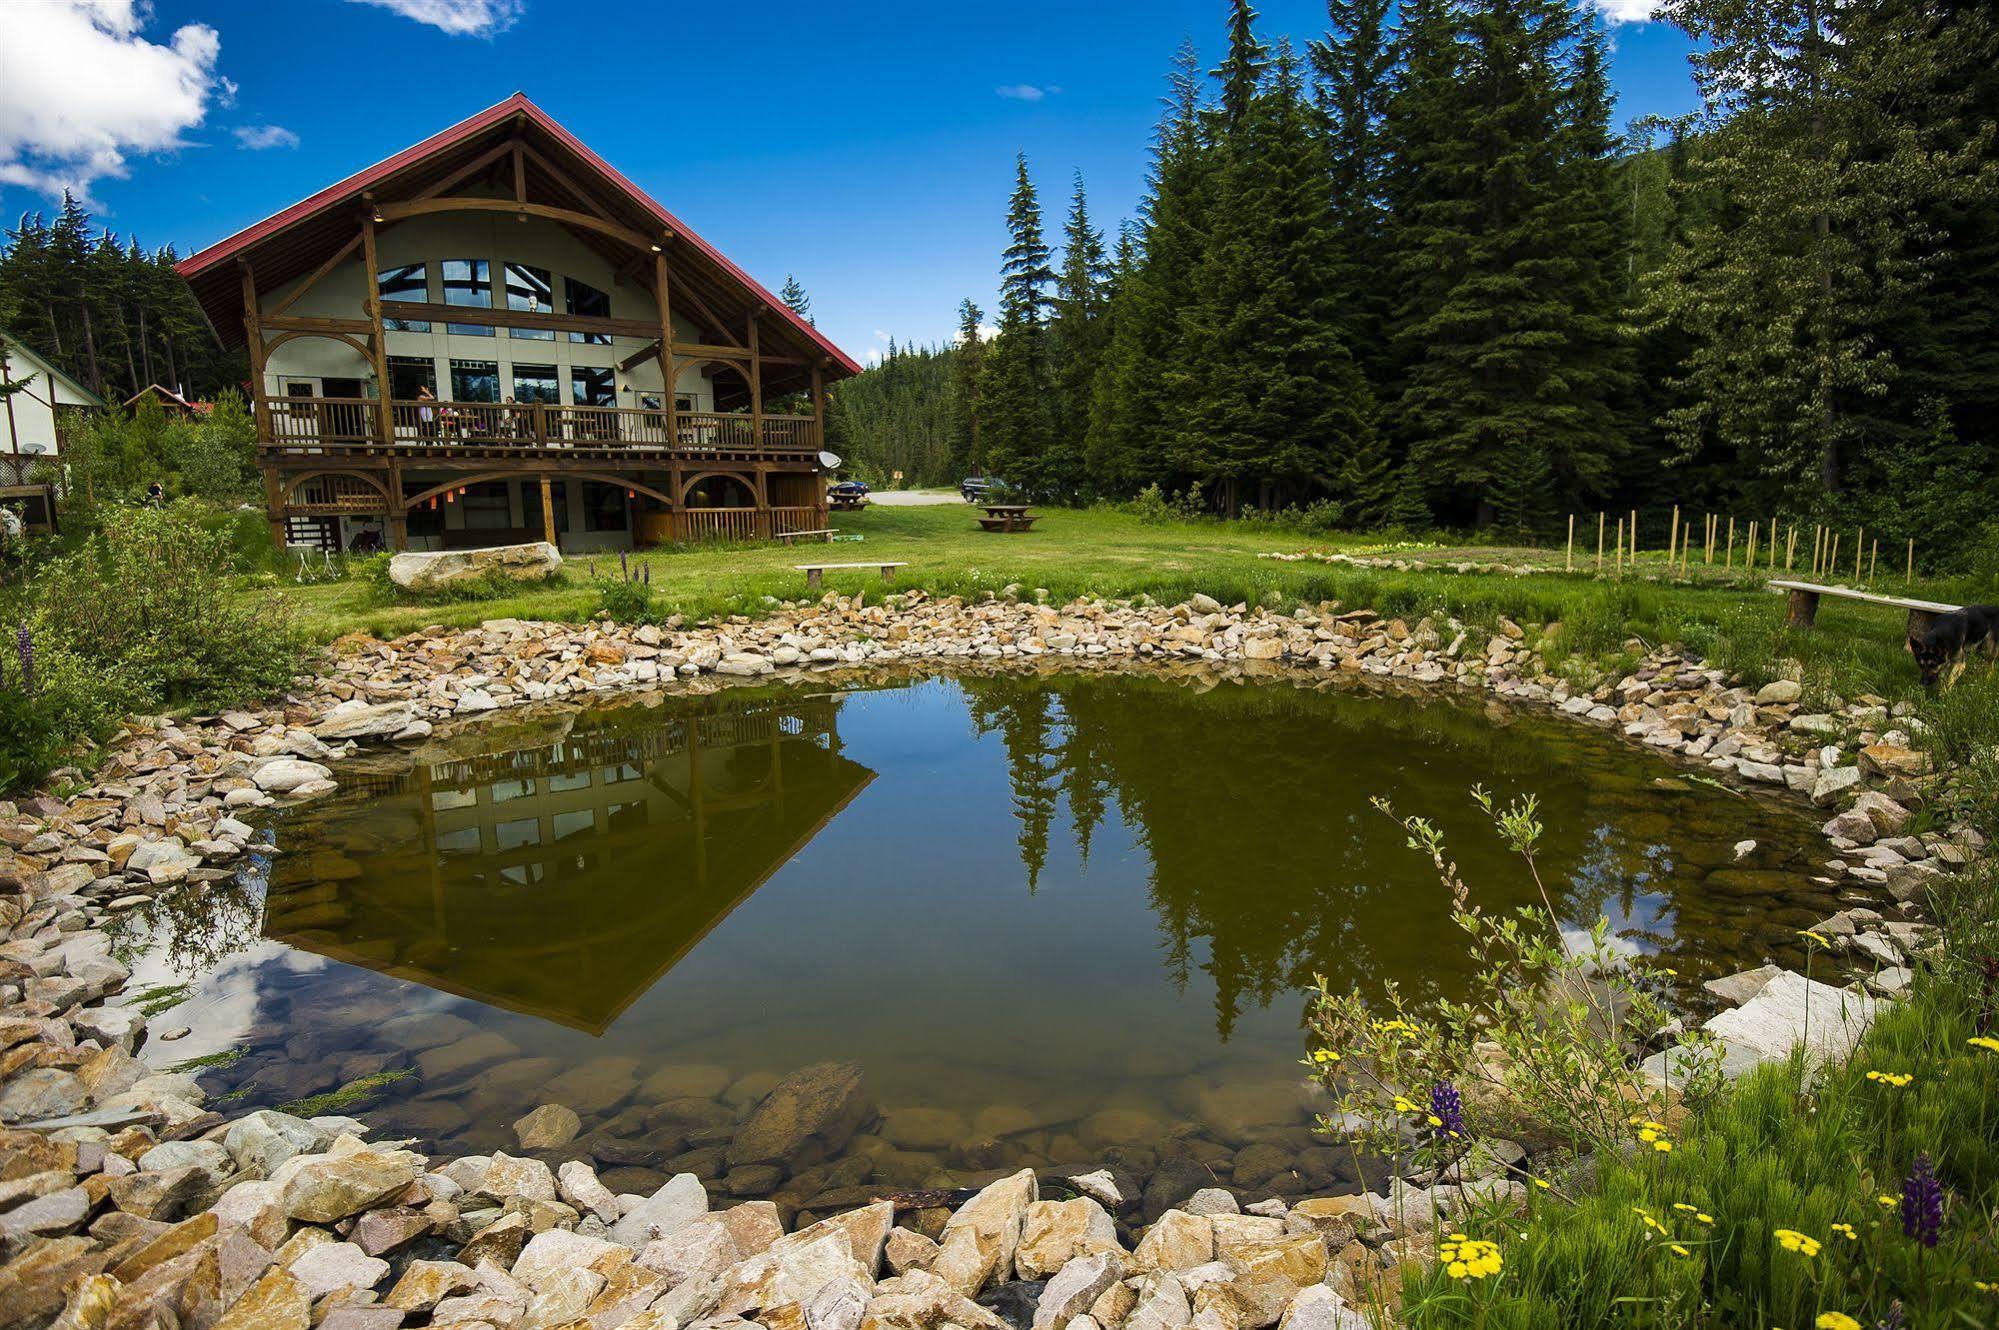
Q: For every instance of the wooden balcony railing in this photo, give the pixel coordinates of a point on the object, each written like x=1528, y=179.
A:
x=353, y=422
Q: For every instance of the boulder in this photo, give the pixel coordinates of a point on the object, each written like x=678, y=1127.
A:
x=282, y=775
x=1266, y=1276
x=790, y=1275
x=815, y=1108
x=979, y=1241
x=362, y=721
x=1161, y=1305
x=678, y=1203
x=1076, y=1288
x=439, y=570
x=424, y=1284
x=1791, y=1010
x=1319, y=1308
x=263, y=1140
x=1779, y=692
x=1054, y=1233
x=547, y=1127
x=550, y=1253
x=332, y=1187
x=1179, y=1241
x=337, y=1265
x=702, y=1249
x=920, y=1300
x=1887, y=816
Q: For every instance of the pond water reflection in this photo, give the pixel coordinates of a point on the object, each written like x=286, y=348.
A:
x=1054, y=919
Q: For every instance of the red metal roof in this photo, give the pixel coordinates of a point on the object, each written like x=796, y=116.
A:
x=518, y=104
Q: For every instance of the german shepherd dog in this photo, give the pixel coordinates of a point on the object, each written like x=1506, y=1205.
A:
x=1949, y=636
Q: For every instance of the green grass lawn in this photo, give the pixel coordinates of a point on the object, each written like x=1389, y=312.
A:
x=1728, y=617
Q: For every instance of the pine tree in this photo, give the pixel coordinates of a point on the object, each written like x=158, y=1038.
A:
x=1279, y=409
x=967, y=364
x=792, y=293
x=1015, y=389
x=1354, y=66
x=1241, y=70
x=1076, y=343
x=1146, y=383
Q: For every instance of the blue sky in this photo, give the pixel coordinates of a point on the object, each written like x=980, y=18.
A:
x=868, y=149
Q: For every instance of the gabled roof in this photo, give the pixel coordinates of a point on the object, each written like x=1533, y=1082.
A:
x=168, y=395
x=16, y=345
x=288, y=244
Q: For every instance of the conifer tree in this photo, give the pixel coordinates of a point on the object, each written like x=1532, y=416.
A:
x=968, y=358
x=1145, y=383
x=1241, y=70
x=1353, y=66
x=1076, y=342
x=1015, y=388
x=1278, y=410
x=792, y=293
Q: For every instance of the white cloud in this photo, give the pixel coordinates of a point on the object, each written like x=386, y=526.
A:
x=258, y=137
x=987, y=331
x=460, y=18
x=1026, y=92
x=81, y=88
x=1628, y=11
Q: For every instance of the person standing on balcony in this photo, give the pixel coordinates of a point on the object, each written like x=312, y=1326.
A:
x=426, y=412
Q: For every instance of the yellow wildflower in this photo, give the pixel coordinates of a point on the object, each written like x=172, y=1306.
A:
x=1705, y=1218
x=1544, y=1184
x=1815, y=936
x=1403, y=1104
x=1678, y=1250
x=1792, y=1240
x=1836, y=1321
x=1434, y=1120
x=1683, y=1207
x=1984, y=1041
x=1846, y=1231
x=1324, y=1055
x=1469, y=1258
x=1985, y=1286
x=1898, y=1079
x=1888, y=1202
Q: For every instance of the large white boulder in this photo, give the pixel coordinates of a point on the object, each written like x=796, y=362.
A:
x=439, y=569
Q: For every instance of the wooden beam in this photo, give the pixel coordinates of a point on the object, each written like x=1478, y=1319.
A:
x=520, y=178
x=378, y=339
x=756, y=398
x=640, y=356
x=463, y=173
x=397, y=212
x=663, y=294
x=253, y=331
x=487, y=317
x=701, y=308
x=313, y=280
x=819, y=416
x=563, y=178
x=316, y=323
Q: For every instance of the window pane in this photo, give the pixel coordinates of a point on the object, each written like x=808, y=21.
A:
x=468, y=282
x=409, y=374
x=537, y=383
x=591, y=385
x=475, y=381
x=529, y=289
x=590, y=303
x=408, y=282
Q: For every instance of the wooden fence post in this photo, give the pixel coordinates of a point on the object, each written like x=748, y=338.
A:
x=1599, y=541
x=1873, y=558
x=1569, y=560
x=1749, y=550
x=1791, y=548
x=1620, y=547
x=1673, y=538
x=1912, y=560
x=1859, y=542
x=1832, y=557
x=1634, y=540
x=1729, y=565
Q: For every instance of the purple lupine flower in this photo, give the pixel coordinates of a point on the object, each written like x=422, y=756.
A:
x=1922, y=1203
x=24, y=644
x=624, y=566
x=647, y=570
x=1894, y=1320
x=1447, y=1109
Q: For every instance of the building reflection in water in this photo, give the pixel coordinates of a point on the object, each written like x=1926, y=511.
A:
x=560, y=872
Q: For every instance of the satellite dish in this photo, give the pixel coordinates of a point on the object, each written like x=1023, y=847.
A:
x=829, y=461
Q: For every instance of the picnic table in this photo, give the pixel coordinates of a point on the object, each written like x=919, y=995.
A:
x=846, y=503
x=1007, y=517
x=1804, y=604
x=815, y=572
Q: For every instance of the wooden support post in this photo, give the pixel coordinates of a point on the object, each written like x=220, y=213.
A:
x=1791, y=547
x=756, y=381
x=274, y=502
x=253, y=328
x=663, y=296
x=548, y=512
x=1729, y=564
x=1859, y=541
x=1873, y=558
x=1832, y=557
x=1569, y=559
x=1804, y=608
x=1620, y=547
x=1673, y=537
x=1599, y=541
x=399, y=518
x=385, y=413
x=1749, y=550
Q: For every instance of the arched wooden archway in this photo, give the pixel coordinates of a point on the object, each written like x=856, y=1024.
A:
x=372, y=482
x=290, y=333
x=747, y=480
x=481, y=478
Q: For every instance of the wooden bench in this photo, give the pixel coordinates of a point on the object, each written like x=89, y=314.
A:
x=822, y=534
x=1804, y=598
x=815, y=572
x=846, y=503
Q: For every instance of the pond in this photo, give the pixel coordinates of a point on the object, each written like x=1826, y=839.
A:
x=1032, y=919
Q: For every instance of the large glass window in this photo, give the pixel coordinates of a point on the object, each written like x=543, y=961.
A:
x=530, y=290
x=409, y=282
x=593, y=385
x=537, y=383
x=487, y=507
x=475, y=381
x=409, y=375
x=468, y=282
x=590, y=303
